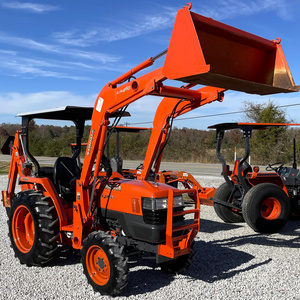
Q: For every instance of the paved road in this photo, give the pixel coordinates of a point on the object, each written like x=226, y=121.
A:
x=194, y=168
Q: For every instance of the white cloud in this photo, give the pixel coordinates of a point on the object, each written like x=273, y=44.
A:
x=143, y=110
x=120, y=30
x=142, y=24
x=13, y=65
x=227, y=9
x=14, y=103
x=68, y=64
x=94, y=56
x=30, y=7
x=76, y=38
x=48, y=48
x=29, y=71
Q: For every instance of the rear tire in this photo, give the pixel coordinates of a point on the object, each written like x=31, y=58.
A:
x=33, y=228
x=223, y=212
x=104, y=263
x=266, y=208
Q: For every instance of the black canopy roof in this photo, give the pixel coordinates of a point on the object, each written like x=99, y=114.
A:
x=229, y=126
x=68, y=113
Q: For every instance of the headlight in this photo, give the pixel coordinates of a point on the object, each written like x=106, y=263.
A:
x=161, y=203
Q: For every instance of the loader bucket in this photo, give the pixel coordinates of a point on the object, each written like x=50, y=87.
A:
x=207, y=52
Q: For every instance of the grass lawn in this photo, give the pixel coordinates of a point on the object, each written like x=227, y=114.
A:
x=4, y=167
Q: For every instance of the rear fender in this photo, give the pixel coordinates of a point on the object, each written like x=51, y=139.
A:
x=268, y=177
x=49, y=190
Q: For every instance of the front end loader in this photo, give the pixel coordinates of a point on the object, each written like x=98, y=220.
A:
x=104, y=215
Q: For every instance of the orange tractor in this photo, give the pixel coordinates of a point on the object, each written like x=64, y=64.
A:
x=265, y=200
x=102, y=213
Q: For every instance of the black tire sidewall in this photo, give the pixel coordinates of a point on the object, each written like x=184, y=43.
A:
x=252, y=207
x=8, y=211
x=23, y=257
x=223, y=212
x=103, y=240
x=46, y=227
x=105, y=288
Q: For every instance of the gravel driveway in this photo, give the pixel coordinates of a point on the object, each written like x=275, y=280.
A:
x=232, y=262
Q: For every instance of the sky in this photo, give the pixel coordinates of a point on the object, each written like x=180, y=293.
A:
x=57, y=53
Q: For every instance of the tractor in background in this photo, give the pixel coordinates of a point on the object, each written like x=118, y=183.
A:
x=265, y=200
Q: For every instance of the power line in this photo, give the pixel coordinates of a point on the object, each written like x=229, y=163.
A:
x=213, y=115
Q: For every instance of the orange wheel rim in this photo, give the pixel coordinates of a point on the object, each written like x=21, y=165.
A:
x=98, y=265
x=23, y=229
x=270, y=208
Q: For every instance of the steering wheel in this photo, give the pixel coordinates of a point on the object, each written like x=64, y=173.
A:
x=271, y=167
x=139, y=167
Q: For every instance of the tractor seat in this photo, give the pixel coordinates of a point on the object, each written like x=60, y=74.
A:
x=65, y=173
x=246, y=168
x=116, y=164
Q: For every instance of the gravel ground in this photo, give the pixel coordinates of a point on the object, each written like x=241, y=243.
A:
x=232, y=262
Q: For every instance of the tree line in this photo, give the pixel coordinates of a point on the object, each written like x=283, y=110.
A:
x=184, y=145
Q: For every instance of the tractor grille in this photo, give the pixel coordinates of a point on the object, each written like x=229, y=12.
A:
x=159, y=217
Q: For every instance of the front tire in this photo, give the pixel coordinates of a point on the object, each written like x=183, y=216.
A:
x=266, y=208
x=33, y=228
x=7, y=211
x=104, y=263
x=223, y=212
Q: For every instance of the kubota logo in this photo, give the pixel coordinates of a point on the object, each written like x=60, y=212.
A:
x=127, y=88
x=89, y=146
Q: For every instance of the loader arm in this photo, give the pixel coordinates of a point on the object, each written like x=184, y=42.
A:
x=161, y=125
